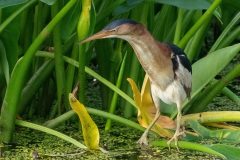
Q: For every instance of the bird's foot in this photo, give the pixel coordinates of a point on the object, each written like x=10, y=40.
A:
x=175, y=139
x=143, y=140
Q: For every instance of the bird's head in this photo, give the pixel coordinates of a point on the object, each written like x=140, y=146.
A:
x=122, y=28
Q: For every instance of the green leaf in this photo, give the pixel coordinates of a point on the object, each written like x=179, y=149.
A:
x=48, y=2
x=220, y=134
x=126, y=7
x=230, y=152
x=4, y=62
x=7, y=3
x=190, y=146
x=69, y=22
x=205, y=69
x=234, y=3
x=50, y=131
x=10, y=36
x=187, y=4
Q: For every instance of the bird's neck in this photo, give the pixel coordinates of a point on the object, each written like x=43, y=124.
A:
x=154, y=57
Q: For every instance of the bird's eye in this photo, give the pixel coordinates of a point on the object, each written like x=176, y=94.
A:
x=114, y=30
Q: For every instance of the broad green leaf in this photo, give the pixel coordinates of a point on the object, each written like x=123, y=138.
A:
x=147, y=110
x=10, y=36
x=7, y=3
x=69, y=22
x=4, y=62
x=230, y=152
x=48, y=2
x=220, y=134
x=205, y=69
x=187, y=4
x=127, y=6
x=89, y=128
x=234, y=3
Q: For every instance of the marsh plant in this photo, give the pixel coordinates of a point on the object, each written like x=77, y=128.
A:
x=41, y=61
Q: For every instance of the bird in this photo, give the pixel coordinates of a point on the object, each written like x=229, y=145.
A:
x=167, y=66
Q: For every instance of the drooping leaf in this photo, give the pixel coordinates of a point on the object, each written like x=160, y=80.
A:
x=48, y=2
x=89, y=128
x=7, y=3
x=147, y=110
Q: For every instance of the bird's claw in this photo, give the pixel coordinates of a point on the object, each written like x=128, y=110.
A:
x=175, y=138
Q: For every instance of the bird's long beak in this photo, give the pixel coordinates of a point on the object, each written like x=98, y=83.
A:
x=99, y=35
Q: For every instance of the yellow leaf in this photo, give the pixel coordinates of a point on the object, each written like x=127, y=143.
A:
x=147, y=110
x=89, y=128
x=136, y=93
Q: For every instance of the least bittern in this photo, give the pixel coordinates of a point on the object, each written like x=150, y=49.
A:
x=167, y=66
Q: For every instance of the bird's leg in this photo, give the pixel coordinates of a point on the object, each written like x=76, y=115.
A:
x=143, y=140
x=177, y=132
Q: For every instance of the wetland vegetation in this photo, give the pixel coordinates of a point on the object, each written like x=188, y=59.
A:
x=42, y=61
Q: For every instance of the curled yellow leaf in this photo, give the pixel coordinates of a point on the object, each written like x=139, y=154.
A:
x=89, y=128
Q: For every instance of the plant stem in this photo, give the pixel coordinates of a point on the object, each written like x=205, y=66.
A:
x=235, y=98
x=223, y=35
x=198, y=24
x=70, y=72
x=55, y=122
x=195, y=44
x=201, y=103
x=178, y=26
x=13, y=92
x=230, y=38
x=83, y=30
x=34, y=83
x=15, y=14
x=94, y=74
x=190, y=146
x=209, y=117
x=50, y=131
x=59, y=63
x=115, y=95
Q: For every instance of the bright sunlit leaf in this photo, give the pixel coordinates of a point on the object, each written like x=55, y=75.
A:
x=89, y=128
x=147, y=110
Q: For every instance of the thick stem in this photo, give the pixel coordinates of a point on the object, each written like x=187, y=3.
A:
x=13, y=92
